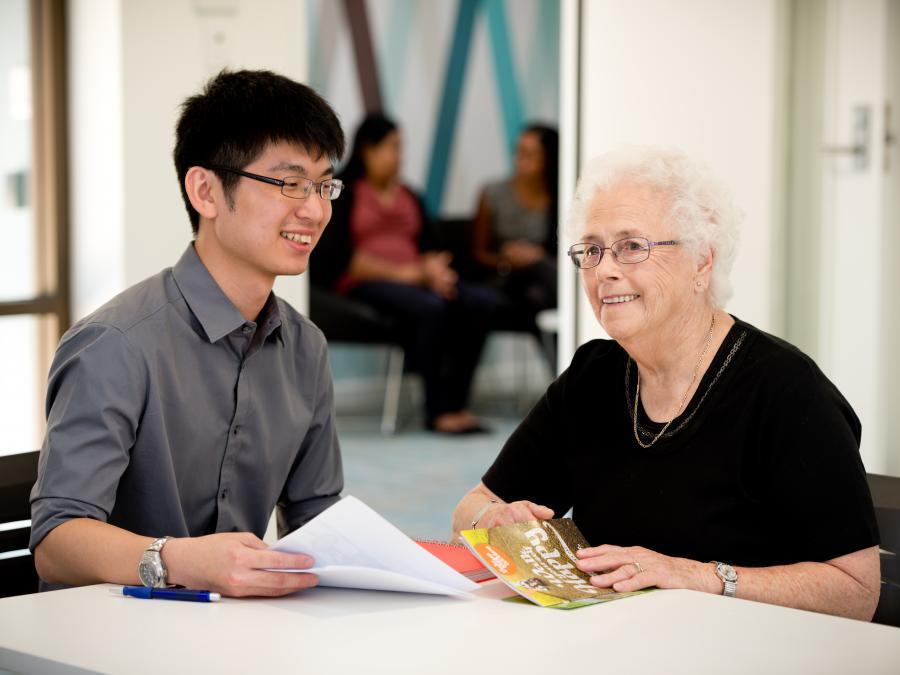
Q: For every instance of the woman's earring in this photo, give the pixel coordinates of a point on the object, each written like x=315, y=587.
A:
x=699, y=283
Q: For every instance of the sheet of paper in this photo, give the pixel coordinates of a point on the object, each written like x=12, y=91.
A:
x=377, y=580
x=354, y=547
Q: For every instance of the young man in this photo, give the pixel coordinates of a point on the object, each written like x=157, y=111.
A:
x=181, y=413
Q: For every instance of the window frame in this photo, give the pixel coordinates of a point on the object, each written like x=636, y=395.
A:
x=48, y=185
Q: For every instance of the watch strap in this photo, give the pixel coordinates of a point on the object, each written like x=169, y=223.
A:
x=729, y=585
x=158, y=544
x=730, y=588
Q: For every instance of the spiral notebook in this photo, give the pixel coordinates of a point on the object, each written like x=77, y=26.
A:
x=459, y=558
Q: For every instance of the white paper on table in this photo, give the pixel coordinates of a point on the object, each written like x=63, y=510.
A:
x=354, y=547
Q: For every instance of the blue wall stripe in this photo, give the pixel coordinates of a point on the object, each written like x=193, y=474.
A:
x=507, y=83
x=394, y=52
x=323, y=25
x=542, y=92
x=448, y=109
x=314, y=74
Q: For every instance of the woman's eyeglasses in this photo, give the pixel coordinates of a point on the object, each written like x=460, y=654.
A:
x=629, y=250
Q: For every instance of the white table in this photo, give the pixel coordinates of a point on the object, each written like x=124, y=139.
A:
x=343, y=631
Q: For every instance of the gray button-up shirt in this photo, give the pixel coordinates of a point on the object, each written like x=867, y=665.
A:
x=169, y=414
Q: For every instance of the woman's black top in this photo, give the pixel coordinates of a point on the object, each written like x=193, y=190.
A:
x=762, y=467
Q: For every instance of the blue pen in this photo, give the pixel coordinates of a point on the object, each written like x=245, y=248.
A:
x=185, y=594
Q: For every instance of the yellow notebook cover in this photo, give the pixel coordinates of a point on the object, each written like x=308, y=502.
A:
x=537, y=560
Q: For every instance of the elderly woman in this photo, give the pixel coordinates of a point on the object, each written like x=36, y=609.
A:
x=694, y=450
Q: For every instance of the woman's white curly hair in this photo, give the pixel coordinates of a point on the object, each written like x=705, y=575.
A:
x=701, y=212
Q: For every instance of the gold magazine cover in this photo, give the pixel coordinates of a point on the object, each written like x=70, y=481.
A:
x=537, y=560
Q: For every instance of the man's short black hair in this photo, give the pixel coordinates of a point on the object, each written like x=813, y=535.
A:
x=238, y=114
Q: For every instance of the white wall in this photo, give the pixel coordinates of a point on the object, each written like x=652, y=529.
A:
x=569, y=148
x=705, y=76
x=131, y=64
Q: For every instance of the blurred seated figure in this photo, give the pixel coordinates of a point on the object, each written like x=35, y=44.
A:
x=380, y=249
x=514, y=232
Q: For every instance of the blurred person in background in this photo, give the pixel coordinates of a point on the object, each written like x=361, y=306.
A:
x=380, y=249
x=514, y=236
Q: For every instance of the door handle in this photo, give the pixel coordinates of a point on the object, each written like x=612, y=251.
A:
x=859, y=148
x=889, y=137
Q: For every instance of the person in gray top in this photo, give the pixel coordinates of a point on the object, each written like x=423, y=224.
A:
x=514, y=232
x=186, y=409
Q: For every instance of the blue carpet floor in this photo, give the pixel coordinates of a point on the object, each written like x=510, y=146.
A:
x=415, y=478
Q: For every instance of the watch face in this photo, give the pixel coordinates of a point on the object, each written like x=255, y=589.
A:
x=148, y=572
x=727, y=572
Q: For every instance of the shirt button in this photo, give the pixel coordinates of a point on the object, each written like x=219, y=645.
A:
x=248, y=328
x=224, y=495
x=237, y=428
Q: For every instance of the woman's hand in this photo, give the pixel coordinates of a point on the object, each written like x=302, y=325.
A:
x=514, y=512
x=438, y=275
x=632, y=568
x=520, y=253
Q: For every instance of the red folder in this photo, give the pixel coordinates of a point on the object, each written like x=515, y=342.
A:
x=459, y=558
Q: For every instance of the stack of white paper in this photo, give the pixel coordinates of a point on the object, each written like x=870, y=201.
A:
x=354, y=547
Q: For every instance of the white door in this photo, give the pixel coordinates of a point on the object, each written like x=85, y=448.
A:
x=889, y=391
x=857, y=294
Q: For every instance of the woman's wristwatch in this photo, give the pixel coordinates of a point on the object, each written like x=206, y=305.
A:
x=729, y=577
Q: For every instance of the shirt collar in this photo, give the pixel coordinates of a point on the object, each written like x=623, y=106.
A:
x=270, y=318
x=216, y=313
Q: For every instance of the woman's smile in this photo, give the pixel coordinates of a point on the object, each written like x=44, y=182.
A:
x=619, y=299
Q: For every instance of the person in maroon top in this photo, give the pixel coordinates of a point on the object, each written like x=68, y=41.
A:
x=379, y=248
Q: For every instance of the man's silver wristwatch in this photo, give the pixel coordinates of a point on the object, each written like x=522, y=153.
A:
x=151, y=569
x=729, y=577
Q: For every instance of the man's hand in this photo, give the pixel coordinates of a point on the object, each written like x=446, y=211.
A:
x=234, y=564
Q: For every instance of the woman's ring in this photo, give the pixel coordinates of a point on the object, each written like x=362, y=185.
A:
x=638, y=567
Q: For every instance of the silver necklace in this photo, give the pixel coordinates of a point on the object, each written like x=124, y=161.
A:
x=637, y=394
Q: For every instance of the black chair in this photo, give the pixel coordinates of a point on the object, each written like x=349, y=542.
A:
x=455, y=236
x=17, y=475
x=343, y=319
x=886, y=496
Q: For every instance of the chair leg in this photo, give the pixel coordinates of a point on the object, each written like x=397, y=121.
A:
x=548, y=344
x=392, y=391
x=524, y=398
